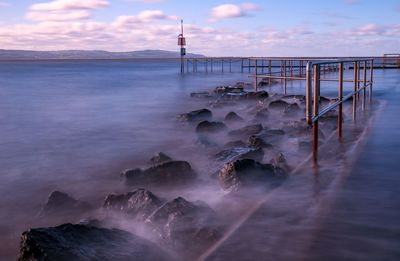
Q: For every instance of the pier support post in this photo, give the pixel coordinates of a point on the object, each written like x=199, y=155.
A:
x=340, y=113
x=316, y=111
x=371, y=80
x=355, y=90
x=364, y=86
x=309, y=92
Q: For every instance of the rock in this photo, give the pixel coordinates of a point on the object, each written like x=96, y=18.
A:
x=248, y=173
x=257, y=95
x=235, y=143
x=264, y=82
x=228, y=89
x=292, y=109
x=210, y=126
x=60, y=203
x=273, y=136
x=240, y=153
x=232, y=116
x=278, y=105
x=160, y=158
x=138, y=204
x=323, y=100
x=80, y=242
x=262, y=114
x=247, y=130
x=299, y=97
x=169, y=173
x=280, y=161
x=200, y=95
x=205, y=141
x=257, y=142
x=196, y=116
x=185, y=225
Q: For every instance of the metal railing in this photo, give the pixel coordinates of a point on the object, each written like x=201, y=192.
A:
x=312, y=76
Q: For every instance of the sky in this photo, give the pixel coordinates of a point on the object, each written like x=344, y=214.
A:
x=212, y=27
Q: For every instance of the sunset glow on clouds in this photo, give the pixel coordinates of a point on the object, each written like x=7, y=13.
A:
x=258, y=28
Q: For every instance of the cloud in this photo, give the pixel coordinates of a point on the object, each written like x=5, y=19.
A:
x=146, y=1
x=225, y=11
x=64, y=10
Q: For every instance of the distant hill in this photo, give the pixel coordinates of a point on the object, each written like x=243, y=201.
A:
x=81, y=54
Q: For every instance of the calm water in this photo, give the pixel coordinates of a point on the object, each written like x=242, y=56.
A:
x=74, y=126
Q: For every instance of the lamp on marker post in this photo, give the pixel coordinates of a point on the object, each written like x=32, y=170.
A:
x=182, y=43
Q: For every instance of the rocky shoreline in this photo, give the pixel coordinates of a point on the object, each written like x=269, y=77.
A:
x=252, y=140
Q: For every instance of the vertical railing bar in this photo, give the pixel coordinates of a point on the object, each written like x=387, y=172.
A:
x=371, y=80
x=315, y=111
x=364, y=85
x=355, y=90
x=340, y=113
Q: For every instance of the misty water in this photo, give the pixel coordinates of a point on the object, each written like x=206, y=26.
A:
x=74, y=126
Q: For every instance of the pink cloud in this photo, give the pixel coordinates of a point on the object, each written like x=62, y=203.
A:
x=232, y=11
x=59, y=5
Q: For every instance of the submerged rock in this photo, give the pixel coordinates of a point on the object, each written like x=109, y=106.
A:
x=292, y=109
x=185, y=225
x=138, y=204
x=247, y=130
x=228, y=89
x=60, y=203
x=200, y=95
x=232, y=116
x=80, y=242
x=280, y=161
x=240, y=153
x=160, y=158
x=165, y=174
x=235, y=143
x=262, y=114
x=278, y=105
x=257, y=95
x=248, y=173
x=258, y=142
x=210, y=126
x=196, y=116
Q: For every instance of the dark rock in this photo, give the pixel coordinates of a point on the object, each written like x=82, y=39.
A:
x=240, y=153
x=80, y=242
x=228, y=89
x=262, y=114
x=248, y=173
x=257, y=95
x=280, y=161
x=60, y=203
x=196, y=116
x=165, y=174
x=236, y=143
x=247, y=131
x=210, y=126
x=272, y=135
x=257, y=142
x=323, y=100
x=205, y=141
x=160, y=158
x=185, y=225
x=200, y=95
x=138, y=204
x=278, y=105
x=292, y=109
x=298, y=97
x=232, y=116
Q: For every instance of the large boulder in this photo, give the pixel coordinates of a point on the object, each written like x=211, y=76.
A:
x=247, y=130
x=164, y=174
x=248, y=173
x=138, y=204
x=210, y=127
x=81, y=242
x=60, y=203
x=196, y=116
x=185, y=225
x=240, y=153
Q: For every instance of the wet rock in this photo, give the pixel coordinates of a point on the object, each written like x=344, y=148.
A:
x=60, y=203
x=298, y=97
x=232, y=117
x=206, y=141
x=272, y=135
x=81, y=242
x=185, y=225
x=240, y=153
x=210, y=126
x=257, y=142
x=196, y=116
x=247, y=130
x=248, y=173
x=228, y=89
x=169, y=173
x=138, y=204
x=262, y=114
x=160, y=158
x=257, y=95
x=324, y=100
x=280, y=161
x=292, y=109
x=235, y=143
x=278, y=105
x=200, y=95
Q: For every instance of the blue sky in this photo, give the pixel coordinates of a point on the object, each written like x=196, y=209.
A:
x=239, y=28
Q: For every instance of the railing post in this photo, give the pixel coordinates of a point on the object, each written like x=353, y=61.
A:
x=284, y=74
x=340, y=119
x=355, y=90
x=309, y=92
x=364, y=85
x=315, y=113
x=255, y=77
x=270, y=72
x=371, y=80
